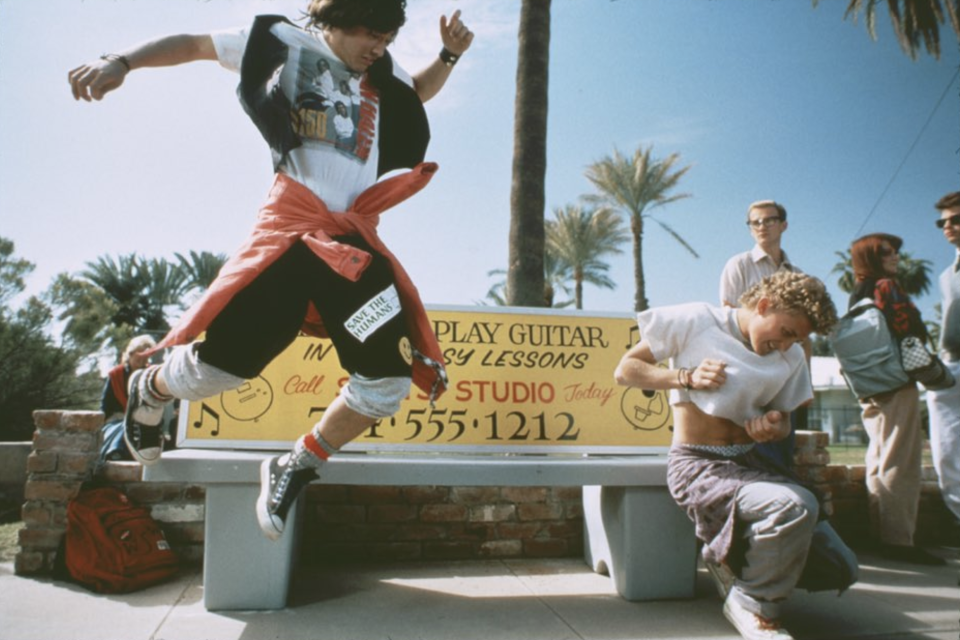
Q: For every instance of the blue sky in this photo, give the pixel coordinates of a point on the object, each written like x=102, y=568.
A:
x=763, y=98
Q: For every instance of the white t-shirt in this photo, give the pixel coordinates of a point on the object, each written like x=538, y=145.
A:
x=744, y=270
x=689, y=333
x=950, y=323
x=337, y=168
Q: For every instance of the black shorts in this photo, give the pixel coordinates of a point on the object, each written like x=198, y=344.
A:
x=265, y=317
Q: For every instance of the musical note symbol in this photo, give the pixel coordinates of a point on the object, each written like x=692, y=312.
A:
x=204, y=409
x=634, y=337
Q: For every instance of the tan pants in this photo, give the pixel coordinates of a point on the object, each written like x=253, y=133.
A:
x=893, y=461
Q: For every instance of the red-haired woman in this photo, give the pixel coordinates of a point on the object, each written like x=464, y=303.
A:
x=891, y=419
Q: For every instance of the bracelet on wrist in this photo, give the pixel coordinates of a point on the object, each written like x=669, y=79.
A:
x=110, y=57
x=683, y=378
x=448, y=57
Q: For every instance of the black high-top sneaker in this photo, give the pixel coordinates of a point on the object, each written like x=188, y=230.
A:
x=141, y=423
x=280, y=484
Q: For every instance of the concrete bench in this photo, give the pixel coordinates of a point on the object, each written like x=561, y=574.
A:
x=532, y=402
x=633, y=529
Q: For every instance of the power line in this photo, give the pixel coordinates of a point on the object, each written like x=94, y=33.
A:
x=909, y=151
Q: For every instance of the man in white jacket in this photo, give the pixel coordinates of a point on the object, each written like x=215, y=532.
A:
x=944, y=405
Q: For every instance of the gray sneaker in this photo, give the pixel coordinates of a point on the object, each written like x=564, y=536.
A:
x=750, y=625
x=280, y=484
x=141, y=423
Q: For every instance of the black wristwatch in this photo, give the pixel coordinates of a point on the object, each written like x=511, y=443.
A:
x=448, y=57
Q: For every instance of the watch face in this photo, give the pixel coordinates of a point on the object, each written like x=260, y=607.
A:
x=448, y=58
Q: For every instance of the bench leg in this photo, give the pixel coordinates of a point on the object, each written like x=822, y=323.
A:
x=642, y=538
x=242, y=569
x=596, y=549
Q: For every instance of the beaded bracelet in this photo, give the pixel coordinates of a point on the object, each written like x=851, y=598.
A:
x=110, y=57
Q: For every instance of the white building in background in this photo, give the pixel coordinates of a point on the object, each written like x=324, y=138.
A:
x=835, y=409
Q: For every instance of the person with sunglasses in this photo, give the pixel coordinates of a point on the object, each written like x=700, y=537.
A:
x=944, y=404
x=891, y=419
x=767, y=220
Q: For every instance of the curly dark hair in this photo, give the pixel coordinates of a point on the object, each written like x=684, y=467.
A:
x=382, y=16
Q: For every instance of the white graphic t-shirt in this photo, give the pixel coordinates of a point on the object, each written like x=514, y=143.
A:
x=335, y=113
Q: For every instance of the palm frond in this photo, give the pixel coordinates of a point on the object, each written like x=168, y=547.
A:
x=914, y=22
x=676, y=236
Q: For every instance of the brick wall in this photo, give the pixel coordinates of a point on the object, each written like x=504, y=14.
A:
x=65, y=449
x=351, y=523
x=348, y=523
x=851, y=518
x=64, y=452
x=341, y=523
x=846, y=491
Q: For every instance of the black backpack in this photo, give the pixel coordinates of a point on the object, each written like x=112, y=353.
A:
x=830, y=563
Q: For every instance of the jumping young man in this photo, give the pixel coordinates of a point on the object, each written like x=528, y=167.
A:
x=314, y=261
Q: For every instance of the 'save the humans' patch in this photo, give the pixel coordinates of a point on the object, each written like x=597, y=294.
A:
x=371, y=316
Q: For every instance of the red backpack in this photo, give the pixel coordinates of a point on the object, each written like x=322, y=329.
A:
x=114, y=546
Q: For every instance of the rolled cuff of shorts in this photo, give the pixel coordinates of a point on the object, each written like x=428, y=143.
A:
x=189, y=378
x=375, y=397
x=765, y=608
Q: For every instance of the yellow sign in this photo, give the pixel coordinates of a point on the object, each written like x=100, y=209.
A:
x=525, y=380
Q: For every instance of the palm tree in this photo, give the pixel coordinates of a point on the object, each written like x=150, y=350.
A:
x=115, y=299
x=525, y=270
x=141, y=290
x=123, y=281
x=200, y=269
x=844, y=267
x=555, y=277
x=89, y=315
x=556, y=274
x=912, y=274
x=497, y=293
x=167, y=285
x=632, y=186
x=579, y=238
x=913, y=21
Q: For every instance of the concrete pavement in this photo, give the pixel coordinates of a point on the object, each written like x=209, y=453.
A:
x=509, y=599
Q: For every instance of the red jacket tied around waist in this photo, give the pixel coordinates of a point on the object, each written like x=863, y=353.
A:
x=293, y=212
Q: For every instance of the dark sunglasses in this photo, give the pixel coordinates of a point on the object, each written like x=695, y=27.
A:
x=953, y=221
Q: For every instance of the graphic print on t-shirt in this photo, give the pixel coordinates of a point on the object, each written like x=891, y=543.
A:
x=333, y=106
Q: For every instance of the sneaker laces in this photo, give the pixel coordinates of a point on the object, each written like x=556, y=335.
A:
x=286, y=480
x=283, y=481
